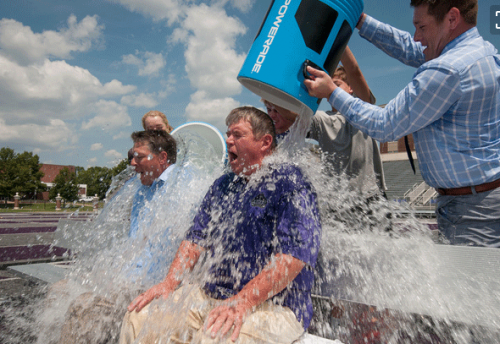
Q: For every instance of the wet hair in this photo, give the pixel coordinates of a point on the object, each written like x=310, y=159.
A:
x=158, y=141
x=260, y=121
x=154, y=113
x=341, y=74
x=438, y=8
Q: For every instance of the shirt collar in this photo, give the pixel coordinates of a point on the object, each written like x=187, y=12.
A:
x=166, y=173
x=467, y=35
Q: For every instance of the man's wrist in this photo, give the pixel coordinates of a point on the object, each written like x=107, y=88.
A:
x=361, y=20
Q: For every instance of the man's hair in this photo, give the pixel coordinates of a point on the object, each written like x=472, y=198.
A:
x=438, y=8
x=260, y=121
x=130, y=155
x=340, y=73
x=154, y=113
x=158, y=141
x=266, y=102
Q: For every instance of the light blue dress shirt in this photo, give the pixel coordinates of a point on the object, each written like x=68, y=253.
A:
x=452, y=106
x=141, y=217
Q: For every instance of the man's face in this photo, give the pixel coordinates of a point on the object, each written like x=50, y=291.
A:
x=281, y=125
x=155, y=123
x=245, y=151
x=431, y=34
x=146, y=163
x=342, y=84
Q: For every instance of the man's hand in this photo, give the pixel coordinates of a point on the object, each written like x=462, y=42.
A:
x=186, y=257
x=320, y=85
x=149, y=295
x=275, y=276
x=231, y=312
x=361, y=20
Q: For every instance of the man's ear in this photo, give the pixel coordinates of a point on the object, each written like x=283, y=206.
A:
x=453, y=17
x=163, y=158
x=267, y=142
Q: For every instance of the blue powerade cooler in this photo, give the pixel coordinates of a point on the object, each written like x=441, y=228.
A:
x=295, y=34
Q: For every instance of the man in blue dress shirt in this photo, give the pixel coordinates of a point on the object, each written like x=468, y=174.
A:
x=154, y=157
x=93, y=318
x=452, y=107
x=258, y=231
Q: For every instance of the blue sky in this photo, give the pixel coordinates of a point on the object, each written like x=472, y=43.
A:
x=76, y=76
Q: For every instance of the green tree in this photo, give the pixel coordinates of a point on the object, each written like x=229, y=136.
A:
x=66, y=185
x=122, y=165
x=98, y=180
x=19, y=173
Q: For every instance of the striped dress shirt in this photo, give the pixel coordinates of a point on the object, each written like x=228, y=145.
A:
x=452, y=106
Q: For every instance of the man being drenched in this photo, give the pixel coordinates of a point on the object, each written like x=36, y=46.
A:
x=255, y=239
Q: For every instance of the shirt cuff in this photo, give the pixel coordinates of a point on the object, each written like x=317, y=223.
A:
x=340, y=100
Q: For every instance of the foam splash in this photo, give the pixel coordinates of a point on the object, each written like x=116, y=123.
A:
x=371, y=257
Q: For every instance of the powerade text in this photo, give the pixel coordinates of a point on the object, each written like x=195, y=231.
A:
x=270, y=37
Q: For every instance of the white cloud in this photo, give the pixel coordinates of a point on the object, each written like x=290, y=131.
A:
x=110, y=115
x=22, y=45
x=242, y=5
x=132, y=59
x=45, y=93
x=96, y=146
x=92, y=162
x=149, y=63
x=114, y=155
x=146, y=100
x=209, y=36
x=55, y=135
x=212, y=63
x=168, y=85
x=169, y=10
x=49, y=94
x=121, y=135
x=49, y=90
x=213, y=111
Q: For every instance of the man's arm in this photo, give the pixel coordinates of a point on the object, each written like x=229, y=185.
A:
x=355, y=77
x=423, y=101
x=269, y=282
x=186, y=257
x=396, y=43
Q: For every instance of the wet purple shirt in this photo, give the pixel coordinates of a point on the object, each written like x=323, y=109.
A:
x=242, y=224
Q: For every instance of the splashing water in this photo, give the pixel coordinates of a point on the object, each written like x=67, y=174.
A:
x=377, y=259
x=380, y=276
x=112, y=266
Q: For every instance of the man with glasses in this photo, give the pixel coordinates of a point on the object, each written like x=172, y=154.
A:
x=94, y=318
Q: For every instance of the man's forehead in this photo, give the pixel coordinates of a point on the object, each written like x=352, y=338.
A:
x=242, y=123
x=141, y=145
x=420, y=13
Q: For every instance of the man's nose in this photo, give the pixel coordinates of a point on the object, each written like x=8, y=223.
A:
x=416, y=36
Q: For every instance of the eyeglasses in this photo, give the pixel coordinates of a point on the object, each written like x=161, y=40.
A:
x=139, y=157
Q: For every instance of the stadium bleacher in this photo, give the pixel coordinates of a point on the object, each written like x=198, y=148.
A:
x=399, y=178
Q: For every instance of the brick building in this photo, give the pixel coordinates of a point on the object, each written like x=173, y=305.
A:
x=50, y=174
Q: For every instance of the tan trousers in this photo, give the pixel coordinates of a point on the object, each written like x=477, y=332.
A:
x=92, y=318
x=181, y=320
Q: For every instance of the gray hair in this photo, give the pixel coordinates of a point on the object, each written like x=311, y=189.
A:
x=260, y=121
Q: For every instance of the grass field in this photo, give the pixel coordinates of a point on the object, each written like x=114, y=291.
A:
x=49, y=207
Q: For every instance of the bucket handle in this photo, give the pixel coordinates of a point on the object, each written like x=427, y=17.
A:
x=312, y=64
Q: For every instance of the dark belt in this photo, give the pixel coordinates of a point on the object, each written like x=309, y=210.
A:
x=467, y=190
